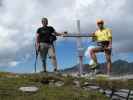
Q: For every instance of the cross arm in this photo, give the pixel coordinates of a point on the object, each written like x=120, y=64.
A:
x=78, y=35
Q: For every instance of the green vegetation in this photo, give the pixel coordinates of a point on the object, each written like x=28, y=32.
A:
x=10, y=84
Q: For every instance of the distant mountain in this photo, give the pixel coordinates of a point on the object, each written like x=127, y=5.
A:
x=76, y=69
x=122, y=67
x=119, y=67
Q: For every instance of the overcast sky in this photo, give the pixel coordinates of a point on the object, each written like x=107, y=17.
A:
x=19, y=20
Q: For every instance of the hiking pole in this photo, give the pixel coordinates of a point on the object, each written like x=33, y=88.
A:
x=35, y=61
x=36, y=50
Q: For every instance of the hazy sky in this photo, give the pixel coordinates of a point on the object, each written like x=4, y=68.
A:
x=21, y=18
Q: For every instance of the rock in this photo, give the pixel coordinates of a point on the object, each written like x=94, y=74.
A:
x=76, y=83
x=29, y=89
x=59, y=83
x=54, y=83
x=86, y=83
x=94, y=87
x=65, y=75
x=45, y=81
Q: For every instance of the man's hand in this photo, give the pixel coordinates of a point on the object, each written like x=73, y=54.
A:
x=93, y=37
x=64, y=33
x=110, y=46
x=60, y=34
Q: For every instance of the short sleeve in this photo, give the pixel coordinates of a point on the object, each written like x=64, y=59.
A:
x=52, y=29
x=38, y=30
x=110, y=34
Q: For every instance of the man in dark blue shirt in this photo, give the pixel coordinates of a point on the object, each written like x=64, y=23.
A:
x=45, y=37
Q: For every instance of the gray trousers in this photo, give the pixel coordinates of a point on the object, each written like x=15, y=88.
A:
x=48, y=49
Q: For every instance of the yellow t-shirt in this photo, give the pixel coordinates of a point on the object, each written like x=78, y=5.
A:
x=103, y=35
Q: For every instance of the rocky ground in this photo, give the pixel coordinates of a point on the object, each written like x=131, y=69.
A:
x=52, y=86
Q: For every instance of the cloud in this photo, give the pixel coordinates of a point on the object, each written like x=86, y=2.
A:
x=21, y=18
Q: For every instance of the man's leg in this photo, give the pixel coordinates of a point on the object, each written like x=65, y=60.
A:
x=93, y=55
x=93, y=52
x=53, y=57
x=43, y=54
x=108, y=59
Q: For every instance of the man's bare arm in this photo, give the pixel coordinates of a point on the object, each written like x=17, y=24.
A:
x=37, y=41
x=77, y=35
x=59, y=34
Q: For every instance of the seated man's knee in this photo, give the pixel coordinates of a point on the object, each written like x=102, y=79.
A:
x=92, y=50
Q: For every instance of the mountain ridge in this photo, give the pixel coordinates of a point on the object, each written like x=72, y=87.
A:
x=118, y=67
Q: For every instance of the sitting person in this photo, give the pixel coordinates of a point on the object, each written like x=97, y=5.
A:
x=103, y=39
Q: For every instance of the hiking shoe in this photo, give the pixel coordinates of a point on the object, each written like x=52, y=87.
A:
x=55, y=70
x=44, y=71
x=93, y=65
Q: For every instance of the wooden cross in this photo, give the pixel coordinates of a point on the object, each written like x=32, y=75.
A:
x=79, y=45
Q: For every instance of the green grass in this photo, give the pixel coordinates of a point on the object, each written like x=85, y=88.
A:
x=9, y=88
x=10, y=83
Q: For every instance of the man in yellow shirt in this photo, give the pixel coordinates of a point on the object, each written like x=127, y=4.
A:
x=103, y=38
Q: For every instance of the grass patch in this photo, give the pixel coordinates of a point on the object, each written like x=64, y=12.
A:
x=9, y=88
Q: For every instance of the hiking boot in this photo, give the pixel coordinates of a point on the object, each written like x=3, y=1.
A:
x=44, y=71
x=93, y=65
x=55, y=70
